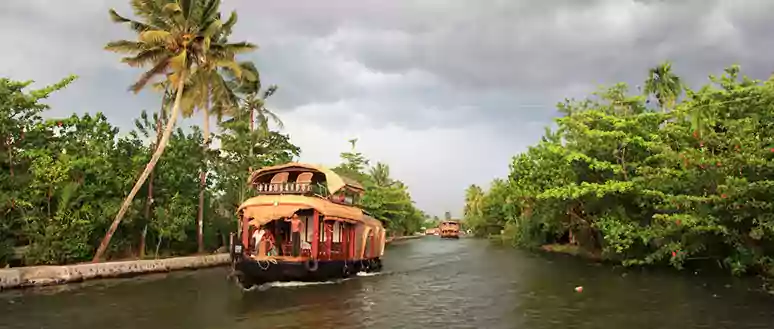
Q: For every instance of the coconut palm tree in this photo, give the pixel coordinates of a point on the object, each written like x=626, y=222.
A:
x=208, y=89
x=173, y=38
x=252, y=102
x=474, y=197
x=380, y=173
x=664, y=85
x=253, y=99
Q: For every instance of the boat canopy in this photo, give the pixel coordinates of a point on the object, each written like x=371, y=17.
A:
x=266, y=208
x=334, y=181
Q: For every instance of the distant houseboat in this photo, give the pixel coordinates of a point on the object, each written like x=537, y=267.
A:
x=449, y=229
x=336, y=239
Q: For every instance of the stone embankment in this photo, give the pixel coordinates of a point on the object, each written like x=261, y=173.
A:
x=32, y=276
x=405, y=237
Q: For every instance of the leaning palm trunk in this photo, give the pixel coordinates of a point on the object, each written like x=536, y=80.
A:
x=148, y=169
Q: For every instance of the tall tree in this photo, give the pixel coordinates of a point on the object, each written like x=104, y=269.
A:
x=209, y=88
x=173, y=42
x=664, y=85
x=253, y=99
x=381, y=174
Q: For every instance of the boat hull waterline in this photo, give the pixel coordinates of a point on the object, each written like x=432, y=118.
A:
x=250, y=272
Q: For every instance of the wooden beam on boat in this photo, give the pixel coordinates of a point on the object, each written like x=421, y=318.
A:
x=315, y=234
x=328, y=225
x=245, y=234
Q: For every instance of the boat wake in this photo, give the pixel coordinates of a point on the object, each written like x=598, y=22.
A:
x=298, y=284
x=290, y=284
x=366, y=274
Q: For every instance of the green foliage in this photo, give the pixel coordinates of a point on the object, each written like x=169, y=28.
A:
x=623, y=180
x=63, y=179
x=385, y=199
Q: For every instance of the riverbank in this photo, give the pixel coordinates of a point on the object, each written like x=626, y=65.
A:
x=34, y=276
x=401, y=238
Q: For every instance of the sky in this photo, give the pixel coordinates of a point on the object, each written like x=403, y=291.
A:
x=445, y=92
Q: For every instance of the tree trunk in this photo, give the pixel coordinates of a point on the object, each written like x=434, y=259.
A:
x=9, y=146
x=203, y=178
x=144, y=176
x=149, y=199
x=143, y=235
x=252, y=143
x=158, y=245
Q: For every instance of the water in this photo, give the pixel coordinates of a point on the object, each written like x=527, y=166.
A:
x=427, y=283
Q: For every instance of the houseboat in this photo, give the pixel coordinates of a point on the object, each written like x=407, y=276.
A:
x=449, y=229
x=304, y=225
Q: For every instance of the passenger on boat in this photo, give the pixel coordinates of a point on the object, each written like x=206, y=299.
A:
x=295, y=235
x=264, y=242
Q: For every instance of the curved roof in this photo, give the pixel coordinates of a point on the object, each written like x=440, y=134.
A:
x=334, y=181
x=265, y=208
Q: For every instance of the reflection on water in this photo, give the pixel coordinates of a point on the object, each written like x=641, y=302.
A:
x=427, y=283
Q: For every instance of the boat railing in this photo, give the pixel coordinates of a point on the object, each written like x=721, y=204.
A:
x=291, y=188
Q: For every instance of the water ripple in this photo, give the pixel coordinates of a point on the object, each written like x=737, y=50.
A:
x=427, y=283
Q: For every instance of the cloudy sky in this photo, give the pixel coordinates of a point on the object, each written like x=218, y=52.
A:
x=446, y=92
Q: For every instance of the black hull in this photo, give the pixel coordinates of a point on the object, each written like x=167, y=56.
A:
x=250, y=272
x=450, y=237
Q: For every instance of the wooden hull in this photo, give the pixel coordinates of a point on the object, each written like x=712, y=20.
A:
x=250, y=272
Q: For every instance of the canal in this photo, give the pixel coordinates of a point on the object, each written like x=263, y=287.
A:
x=427, y=283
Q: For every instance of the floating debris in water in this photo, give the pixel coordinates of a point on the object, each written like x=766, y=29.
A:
x=579, y=289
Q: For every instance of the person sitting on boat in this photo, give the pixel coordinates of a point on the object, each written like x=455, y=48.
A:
x=264, y=242
x=295, y=233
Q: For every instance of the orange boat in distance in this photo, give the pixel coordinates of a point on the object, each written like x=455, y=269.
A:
x=450, y=229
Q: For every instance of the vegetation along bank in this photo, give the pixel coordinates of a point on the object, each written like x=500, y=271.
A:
x=673, y=176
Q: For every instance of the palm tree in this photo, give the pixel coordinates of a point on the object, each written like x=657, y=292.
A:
x=173, y=38
x=207, y=87
x=474, y=196
x=380, y=173
x=253, y=102
x=664, y=85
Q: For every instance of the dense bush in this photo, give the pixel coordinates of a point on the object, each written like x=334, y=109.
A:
x=689, y=181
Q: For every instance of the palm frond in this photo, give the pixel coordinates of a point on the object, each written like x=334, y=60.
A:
x=160, y=67
x=134, y=25
x=152, y=12
x=125, y=46
x=230, y=65
x=155, y=37
x=230, y=22
x=270, y=91
x=274, y=117
x=174, y=11
x=180, y=61
x=210, y=9
x=187, y=8
x=213, y=28
x=235, y=48
x=146, y=57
